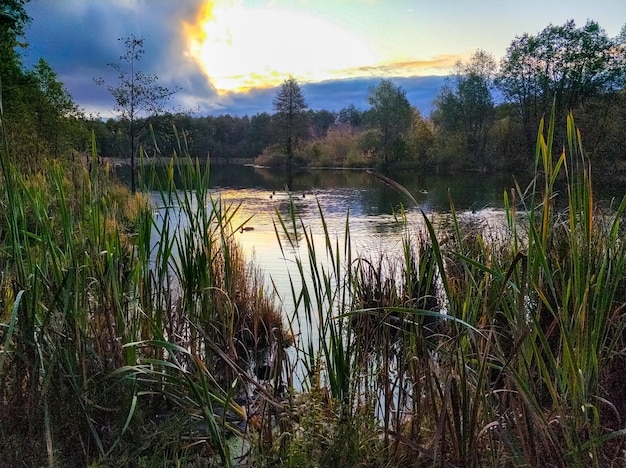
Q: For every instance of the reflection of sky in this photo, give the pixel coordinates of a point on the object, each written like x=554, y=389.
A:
x=373, y=230
x=373, y=233
x=254, y=197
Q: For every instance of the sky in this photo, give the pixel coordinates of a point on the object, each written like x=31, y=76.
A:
x=230, y=56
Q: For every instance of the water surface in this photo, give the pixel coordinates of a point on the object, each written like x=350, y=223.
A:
x=356, y=198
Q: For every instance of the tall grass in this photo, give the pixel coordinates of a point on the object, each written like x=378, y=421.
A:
x=123, y=339
x=64, y=278
x=473, y=348
x=134, y=331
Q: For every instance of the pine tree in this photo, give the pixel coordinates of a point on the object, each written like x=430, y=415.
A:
x=290, y=108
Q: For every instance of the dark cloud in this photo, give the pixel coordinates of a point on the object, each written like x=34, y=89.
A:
x=335, y=95
x=78, y=38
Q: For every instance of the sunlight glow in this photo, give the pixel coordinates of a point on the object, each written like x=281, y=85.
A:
x=240, y=49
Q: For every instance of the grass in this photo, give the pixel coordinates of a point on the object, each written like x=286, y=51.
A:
x=476, y=349
x=133, y=331
x=119, y=333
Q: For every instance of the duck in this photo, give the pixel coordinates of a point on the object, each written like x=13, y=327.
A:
x=246, y=228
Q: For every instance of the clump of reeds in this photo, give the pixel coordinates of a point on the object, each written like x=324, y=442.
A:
x=472, y=349
x=66, y=299
x=117, y=328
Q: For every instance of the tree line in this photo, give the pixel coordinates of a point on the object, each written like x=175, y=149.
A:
x=484, y=118
x=39, y=116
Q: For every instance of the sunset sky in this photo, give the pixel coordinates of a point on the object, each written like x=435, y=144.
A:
x=228, y=56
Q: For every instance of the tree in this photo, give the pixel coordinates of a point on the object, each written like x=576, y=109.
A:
x=620, y=51
x=291, y=116
x=350, y=116
x=260, y=134
x=562, y=65
x=136, y=94
x=321, y=121
x=421, y=139
x=54, y=110
x=391, y=115
x=40, y=114
x=465, y=106
x=13, y=21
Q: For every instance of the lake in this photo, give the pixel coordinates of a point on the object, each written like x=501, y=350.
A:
x=370, y=205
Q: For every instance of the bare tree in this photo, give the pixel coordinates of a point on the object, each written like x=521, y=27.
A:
x=137, y=94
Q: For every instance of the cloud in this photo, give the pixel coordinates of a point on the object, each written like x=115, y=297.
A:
x=436, y=66
x=334, y=95
x=78, y=38
x=337, y=94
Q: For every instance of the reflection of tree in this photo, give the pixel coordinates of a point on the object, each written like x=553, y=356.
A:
x=389, y=226
x=228, y=176
x=293, y=207
x=363, y=194
x=313, y=179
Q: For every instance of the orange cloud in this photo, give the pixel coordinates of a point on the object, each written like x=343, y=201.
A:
x=194, y=31
x=435, y=66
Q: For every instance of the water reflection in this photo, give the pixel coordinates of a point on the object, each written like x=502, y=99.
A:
x=357, y=190
x=337, y=197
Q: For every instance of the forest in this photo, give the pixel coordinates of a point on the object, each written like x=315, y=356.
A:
x=482, y=120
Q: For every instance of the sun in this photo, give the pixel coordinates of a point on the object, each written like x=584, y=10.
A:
x=244, y=48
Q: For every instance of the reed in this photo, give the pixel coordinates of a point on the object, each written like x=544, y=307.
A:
x=117, y=328
x=473, y=348
x=130, y=338
x=63, y=250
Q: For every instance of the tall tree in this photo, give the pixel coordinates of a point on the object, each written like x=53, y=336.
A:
x=13, y=21
x=391, y=115
x=41, y=117
x=291, y=116
x=137, y=94
x=465, y=106
x=55, y=113
x=564, y=65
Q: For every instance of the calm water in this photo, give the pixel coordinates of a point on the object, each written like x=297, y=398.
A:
x=368, y=203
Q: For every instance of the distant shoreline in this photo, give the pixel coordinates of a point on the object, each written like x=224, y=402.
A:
x=123, y=162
